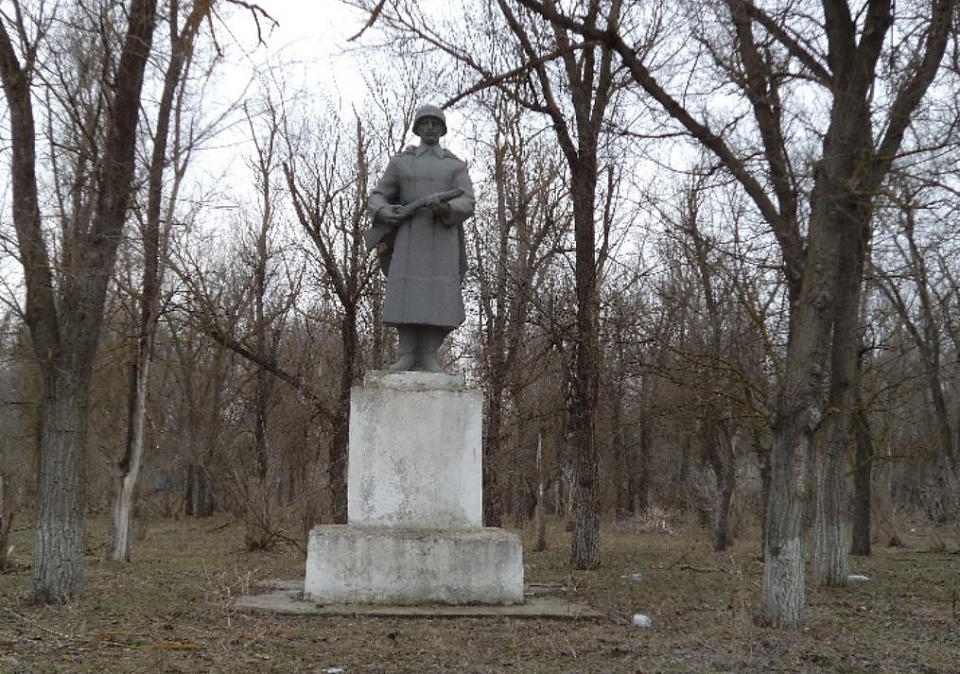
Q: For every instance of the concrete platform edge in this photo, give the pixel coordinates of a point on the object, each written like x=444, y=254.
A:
x=289, y=601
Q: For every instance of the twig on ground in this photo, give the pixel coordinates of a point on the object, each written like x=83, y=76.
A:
x=34, y=623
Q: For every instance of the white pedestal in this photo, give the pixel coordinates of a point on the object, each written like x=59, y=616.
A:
x=414, y=504
x=415, y=453
x=354, y=565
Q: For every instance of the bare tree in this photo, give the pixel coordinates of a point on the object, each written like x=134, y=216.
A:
x=718, y=431
x=824, y=277
x=155, y=228
x=862, y=481
x=200, y=368
x=64, y=311
x=17, y=419
x=327, y=182
x=712, y=331
x=591, y=82
x=514, y=249
x=923, y=304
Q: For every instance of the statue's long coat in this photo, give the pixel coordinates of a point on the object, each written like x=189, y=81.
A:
x=429, y=255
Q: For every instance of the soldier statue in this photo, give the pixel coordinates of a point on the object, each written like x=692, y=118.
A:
x=418, y=209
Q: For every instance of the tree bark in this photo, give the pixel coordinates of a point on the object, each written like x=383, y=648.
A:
x=65, y=333
x=763, y=465
x=798, y=414
x=540, y=516
x=783, y=568
x=118, y=545
x=725, y=475
x=339, y=444
x=830, y=562
x=862, y=482
x=585, y=552
x=57, y=570
x=492, y=502
x=642, y=460
x=154, y=244
x=6, y=523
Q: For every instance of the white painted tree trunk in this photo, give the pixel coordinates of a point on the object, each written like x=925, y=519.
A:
x=539, y=517
x=121, y=513
x=6, y=521
x=784, y=588
x=830, y=559
x=121, y=518
x=57, y=568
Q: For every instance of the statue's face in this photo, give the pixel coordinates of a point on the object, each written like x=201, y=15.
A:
x=430, y=129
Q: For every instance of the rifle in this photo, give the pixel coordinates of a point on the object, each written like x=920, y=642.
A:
x=373, y=236
x=430, y=200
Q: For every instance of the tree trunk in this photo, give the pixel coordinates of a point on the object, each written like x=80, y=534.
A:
x=585, y=543
x=492, y=506
x=585, y=552
x=339, y=444
x=198, y=498
x=6, y=524
x=783, y=567
x=519, y=504
x=725, y=474
x=862, y=482
x=118, y=546
x=590, y=82
x=830, y=566
x=205, y=503
x=798, y=414
x=189, y=490
x=121, y=518
x=65, y=332
x=642, y=451
x=621, y=462
x=493, y=430
x=206, y=428
x=57, y=570
x=539, y=516
x=763, y=462
x=830, y=563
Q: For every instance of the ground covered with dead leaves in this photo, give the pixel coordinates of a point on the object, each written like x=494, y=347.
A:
x=173, y=609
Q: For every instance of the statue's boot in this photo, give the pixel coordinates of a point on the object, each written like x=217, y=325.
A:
x=408, y=349
x=429, y=340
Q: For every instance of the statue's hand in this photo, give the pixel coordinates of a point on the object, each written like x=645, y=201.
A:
x=390, y=215
x=442, y=211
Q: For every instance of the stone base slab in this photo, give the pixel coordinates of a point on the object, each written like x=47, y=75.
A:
x=361, y=565
x=286, y=597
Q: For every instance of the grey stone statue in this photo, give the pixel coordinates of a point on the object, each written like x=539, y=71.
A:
x=418, y=209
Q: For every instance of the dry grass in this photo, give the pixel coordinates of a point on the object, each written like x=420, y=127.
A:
x=172, y=610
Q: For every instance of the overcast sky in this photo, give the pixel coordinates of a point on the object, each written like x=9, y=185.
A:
x=309, y=38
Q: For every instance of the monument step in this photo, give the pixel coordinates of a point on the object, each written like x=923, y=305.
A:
x=362, y=565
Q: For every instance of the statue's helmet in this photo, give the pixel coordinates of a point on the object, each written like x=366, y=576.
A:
x=429, y=111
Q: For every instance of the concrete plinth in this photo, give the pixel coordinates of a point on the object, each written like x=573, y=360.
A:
x=415, y=453
x=414, y=503
x=361, y=565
